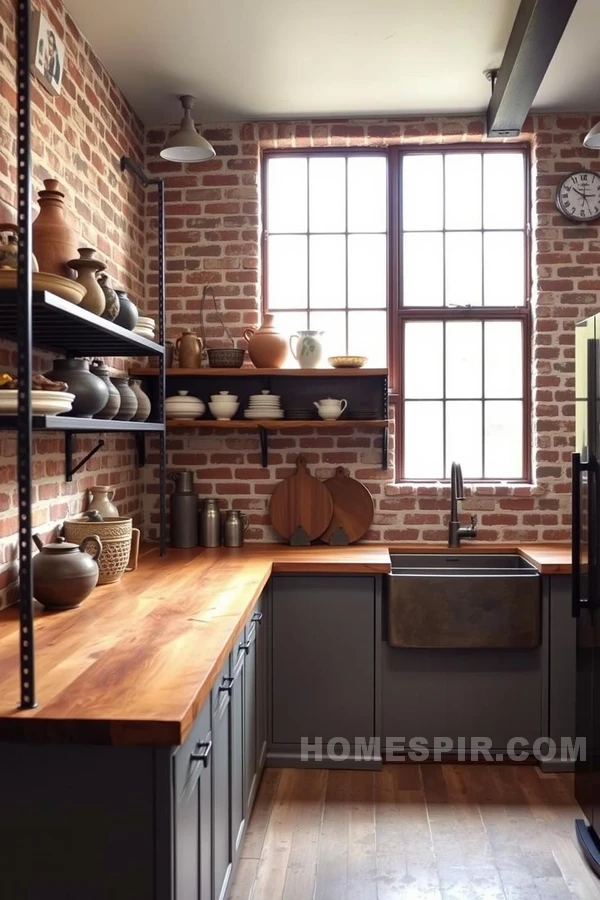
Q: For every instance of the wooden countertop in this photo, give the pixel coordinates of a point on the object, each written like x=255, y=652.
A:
x=549, y=559
x=136, y=662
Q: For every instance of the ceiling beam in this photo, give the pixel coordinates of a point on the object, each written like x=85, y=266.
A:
x=536, y=33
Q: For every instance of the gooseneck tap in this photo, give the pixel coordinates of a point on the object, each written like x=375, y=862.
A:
x=456, y=531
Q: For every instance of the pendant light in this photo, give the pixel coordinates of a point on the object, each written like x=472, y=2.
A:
x=592, y=138
x=186, y=145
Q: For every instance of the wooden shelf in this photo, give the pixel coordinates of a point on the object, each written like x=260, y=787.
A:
x=77, y=425
x=251, y=372
x=276, y=424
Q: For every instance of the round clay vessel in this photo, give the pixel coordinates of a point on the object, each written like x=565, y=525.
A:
x=128, y=311
x=87, y=268
x=91, y=393
x=129, y=403
x=54, y=241
x=64, y=574
x=189, y=349
x=113, y=403
x=9, y=251
x=100, y=498
x=144, y=405
x=267, y=348
x=112, y=302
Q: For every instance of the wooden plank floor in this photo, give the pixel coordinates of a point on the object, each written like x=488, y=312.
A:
x=436, y=832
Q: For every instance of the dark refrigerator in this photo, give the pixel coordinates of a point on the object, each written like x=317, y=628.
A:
x=585, y=582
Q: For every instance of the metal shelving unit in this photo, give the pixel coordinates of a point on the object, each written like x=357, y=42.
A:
x=47, y=322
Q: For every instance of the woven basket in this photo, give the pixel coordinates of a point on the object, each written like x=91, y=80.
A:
x=120, y=544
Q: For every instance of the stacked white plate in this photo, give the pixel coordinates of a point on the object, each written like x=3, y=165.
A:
x=264, y=406
x=146, y=327
x=43, y=403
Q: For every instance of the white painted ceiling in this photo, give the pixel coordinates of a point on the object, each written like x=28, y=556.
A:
x=257, y=59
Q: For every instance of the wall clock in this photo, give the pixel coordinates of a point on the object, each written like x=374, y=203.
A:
x=578, y=196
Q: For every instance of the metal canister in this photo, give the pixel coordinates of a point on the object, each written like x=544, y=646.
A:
x=209, y=523
x=184, y=511
x=234, y=526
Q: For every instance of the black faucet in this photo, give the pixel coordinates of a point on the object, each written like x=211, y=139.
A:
x=455, y=530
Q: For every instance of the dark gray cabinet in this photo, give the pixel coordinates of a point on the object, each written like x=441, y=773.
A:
x=238, y=805
x=193, y=814
x=324, y=660
x=221, y=817
x=261, y=632
x=250, y=743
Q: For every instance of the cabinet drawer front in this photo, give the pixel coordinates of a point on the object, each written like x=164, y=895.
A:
x=221, y=692
x=185, y=766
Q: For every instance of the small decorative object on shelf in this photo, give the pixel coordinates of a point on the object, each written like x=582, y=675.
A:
x=100, y=499
x=182, y=406
x=308, y=349
x=143, y=400
x=112, y=302
x=267, y=348
x=113, y=404
x=10, y=248
x=218, y=357
x=347, y=362
x=223, y=406
x=48, y=53
x=63, y=573
x=146, y=327
x=128, y=312
x=87, y=268
x=129, y=403
x=189, y=348
x=54, y=241
x=91, y=394
x=330, y=408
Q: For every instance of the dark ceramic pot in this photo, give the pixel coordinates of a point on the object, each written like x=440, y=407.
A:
x=91, y=394
x=113, y=403
x=64, y=574
x=128, y=311
x=129, y=403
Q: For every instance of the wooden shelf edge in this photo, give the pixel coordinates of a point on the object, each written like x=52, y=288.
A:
x=250, y=372
x=276, y=424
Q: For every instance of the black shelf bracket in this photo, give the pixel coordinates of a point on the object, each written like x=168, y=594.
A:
x=140, y=447
x=263, y=436
x=70, y=469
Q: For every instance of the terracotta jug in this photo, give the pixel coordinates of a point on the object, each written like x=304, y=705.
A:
x=54, y=241
x=87, y=268
x=267, y=348
x=189, y=347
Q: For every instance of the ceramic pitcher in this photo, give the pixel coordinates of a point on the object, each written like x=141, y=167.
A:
x=100, y=498
x=308, y=349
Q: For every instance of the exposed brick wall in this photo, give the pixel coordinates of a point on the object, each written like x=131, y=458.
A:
x=77, y=137
x=213, y=236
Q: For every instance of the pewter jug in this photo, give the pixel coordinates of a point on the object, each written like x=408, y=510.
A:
x=235, y=525
x=184, y=511
x=209, y=522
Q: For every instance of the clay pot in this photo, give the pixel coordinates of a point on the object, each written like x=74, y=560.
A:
x=64, y=574
x=112, y=302
x=54, y=242
x=129, y=403
x=128, y=311
x=113, y=403
x=87, y=268
x=267, y=348
x=100, y=498
x=143, y=400
x=91, y=393
x=189, y=348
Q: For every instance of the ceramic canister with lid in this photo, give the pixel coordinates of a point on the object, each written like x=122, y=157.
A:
x=63, y=573
x=183, y=510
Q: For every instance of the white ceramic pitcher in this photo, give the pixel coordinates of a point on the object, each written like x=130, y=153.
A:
x=308, y=349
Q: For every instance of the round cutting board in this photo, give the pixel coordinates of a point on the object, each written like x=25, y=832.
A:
x=353, y=509
x=301, y=502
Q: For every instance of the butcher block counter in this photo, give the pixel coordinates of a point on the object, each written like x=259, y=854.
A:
x=136, y=662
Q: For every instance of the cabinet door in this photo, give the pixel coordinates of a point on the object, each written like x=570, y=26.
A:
x=193, y=826
x=221, y=800
x=261, y=682
x=323, y=658
x=237, y=749
x=250, y=710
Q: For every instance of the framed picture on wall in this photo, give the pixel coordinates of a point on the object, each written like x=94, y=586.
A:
x=47, y=53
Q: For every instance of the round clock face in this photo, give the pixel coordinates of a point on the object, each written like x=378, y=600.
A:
x=578, y=196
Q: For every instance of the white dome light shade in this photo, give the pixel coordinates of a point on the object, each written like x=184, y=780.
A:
x=186, y=145
x=592, y=138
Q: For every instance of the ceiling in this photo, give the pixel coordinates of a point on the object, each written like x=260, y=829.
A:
x=260, y=59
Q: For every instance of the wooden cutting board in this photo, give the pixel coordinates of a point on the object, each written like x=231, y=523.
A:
x=353, y=509
x=301, y=506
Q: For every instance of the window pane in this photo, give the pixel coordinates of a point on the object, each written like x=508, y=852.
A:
x=463, y=190
x=463, y=437
x=463, y=359
x=367, y=270
x=503, y=359
x=463, y=268
x=423, y=360
x=327, y=270
x=288, y=274
x=422, y=192
x=367, y=193
x=423, y=264
x=327, y=193
x=333, y=326
x=503, y=439
x=503, y=268
x=367, y=336
x=423, y=439
x=287, y=194
x=289, y=323
x=503, y=190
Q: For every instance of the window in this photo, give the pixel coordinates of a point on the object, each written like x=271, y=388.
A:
x=426, y=250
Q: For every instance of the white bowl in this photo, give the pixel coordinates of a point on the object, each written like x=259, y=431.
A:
x=43, y=403
x=223, y=411
x=222, y=396
x=182, y=406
